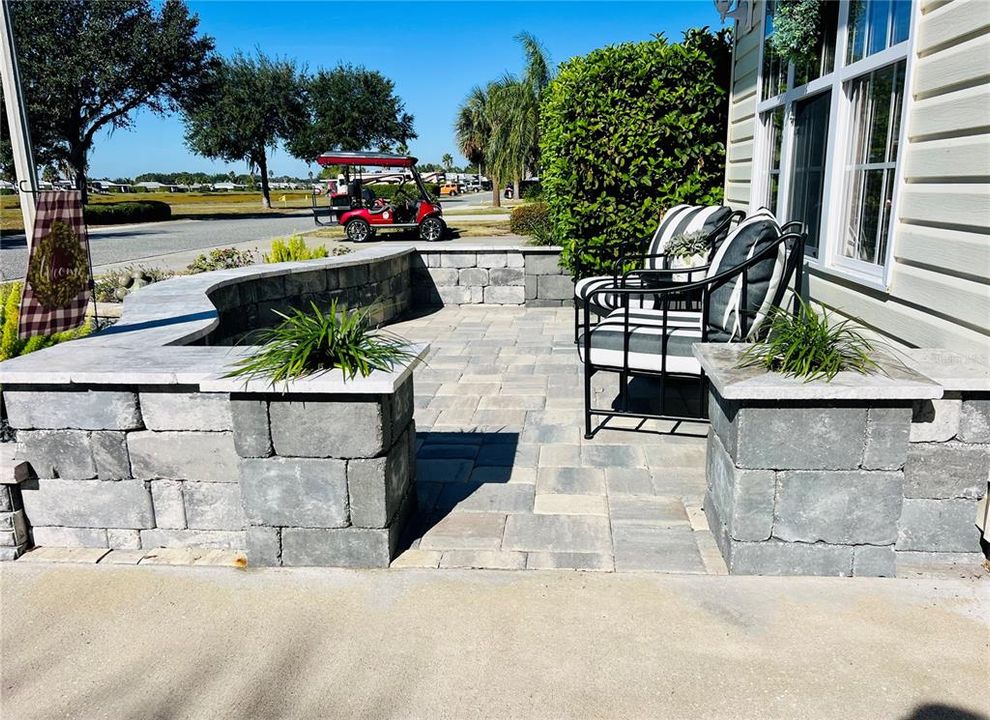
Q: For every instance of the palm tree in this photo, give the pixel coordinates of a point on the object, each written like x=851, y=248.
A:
x=500, y=124
x=447, y=161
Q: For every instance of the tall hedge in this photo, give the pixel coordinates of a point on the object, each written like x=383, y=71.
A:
x=627, y=132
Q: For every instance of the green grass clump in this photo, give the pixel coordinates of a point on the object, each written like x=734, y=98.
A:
x=12, y=346
x=809, y=346
x=308, y=342
x=221, y=259
x=293, y=249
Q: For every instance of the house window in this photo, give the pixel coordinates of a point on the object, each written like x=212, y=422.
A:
x=871, y=169
x=808, y=174
x=875, y=25
x=829, y=134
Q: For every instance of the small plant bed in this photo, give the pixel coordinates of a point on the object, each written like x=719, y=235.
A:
x=13, y=346
x=114, y=286
x=294, y=249
x=222, y=259
x=809, y=345
x=314, y=341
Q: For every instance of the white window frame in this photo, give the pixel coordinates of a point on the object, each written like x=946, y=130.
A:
x=830, y=259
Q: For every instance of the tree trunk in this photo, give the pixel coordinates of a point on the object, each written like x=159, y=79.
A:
x=266, y=196
x=517, y=188
x=496, y=195
x=80, y=172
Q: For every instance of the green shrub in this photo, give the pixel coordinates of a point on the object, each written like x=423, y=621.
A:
x=532, y=191
x=389, y=191
x=525, y=218
x=807, y=345
x=293, y=249
x=13, y=346
x=628, y=131
x=308, y=342
x=128, y=211
x=111, y=287
x=221, y=259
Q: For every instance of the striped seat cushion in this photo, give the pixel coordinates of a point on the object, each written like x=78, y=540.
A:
x=763, y=280
x=684, y=219
x=646, y=341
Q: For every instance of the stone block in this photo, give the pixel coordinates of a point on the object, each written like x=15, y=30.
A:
x=722, y=415
x=542, y=264
x=513, y=295
x=213, y=506
x=473, y=276
x=874, y=561
x=555, y=287
x=344, y=547
x=69, y=537
x=13, y=528
x=465, y=531
x=7, y=499
x=935, y=420
x=791, y=437
x=262, y=289
x=294, y=492
x=197, y=456
x=249, y=420
x=185, y=411
x=263, y=546
x=403, y=403
x=515, y=259
x=938, y=526
x=458, y=260
x=74, y=409
x=457, y=295
x=376, y=486
x=887, y=433
x=483, y=559
x=507, y=276
x=219, y=539
x=531, y=286
x=974, y=421
x=444, y=277
x=89, y=503
x=322, y=428
x=62, y=454
x=786, y=558
x=838, y=507
x=166, y=498
x=123, y=539
x=946, y=470
x=110, y=455
x=742, y=500
x=492, y=260
x=300, y=284
x=556, y=533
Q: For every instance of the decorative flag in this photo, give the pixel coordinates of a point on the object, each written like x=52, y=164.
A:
x=59, y=277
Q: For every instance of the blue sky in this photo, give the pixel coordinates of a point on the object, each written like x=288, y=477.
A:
x=433, y=51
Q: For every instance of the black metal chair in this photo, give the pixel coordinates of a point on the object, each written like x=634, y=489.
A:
x=651, y=254
x=751, y=272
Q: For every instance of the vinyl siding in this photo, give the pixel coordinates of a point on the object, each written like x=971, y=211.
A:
x=742, y=115
x=939, y=293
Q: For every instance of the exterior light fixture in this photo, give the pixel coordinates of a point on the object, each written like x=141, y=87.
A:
x=743, y=12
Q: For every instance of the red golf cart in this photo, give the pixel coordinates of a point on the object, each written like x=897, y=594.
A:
x=355, y=205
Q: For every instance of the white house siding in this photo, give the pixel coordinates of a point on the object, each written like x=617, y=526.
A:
x=939, y=293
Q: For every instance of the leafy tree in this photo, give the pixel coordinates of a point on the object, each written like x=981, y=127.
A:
x=627, y=132
x=254, y=103
x=447, y=161
x=88, y=65
x=351, y=108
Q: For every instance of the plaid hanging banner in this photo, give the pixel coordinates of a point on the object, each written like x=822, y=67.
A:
x=59, y=277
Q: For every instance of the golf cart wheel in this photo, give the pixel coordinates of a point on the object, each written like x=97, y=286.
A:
x=432, y=229
x=358, y=230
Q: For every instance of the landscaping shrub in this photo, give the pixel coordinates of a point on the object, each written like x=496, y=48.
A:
x=308, y=342
x=221, y=259
x=525, y=218
x=293, y=249
x=627, y=132
x=388, y=191
x=13, y=346
x=129, y=211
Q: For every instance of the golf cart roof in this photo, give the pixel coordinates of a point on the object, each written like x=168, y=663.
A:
x=366, y=158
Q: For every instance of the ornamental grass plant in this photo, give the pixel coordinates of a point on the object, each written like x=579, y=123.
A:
x=809, y=345
x=313, y=341
x=293, y=249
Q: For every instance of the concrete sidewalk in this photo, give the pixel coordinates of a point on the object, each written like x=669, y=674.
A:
x=186, y=642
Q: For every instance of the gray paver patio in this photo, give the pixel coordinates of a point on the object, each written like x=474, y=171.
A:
x=505, y=477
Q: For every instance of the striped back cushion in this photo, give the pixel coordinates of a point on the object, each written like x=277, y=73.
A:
x=682, y=219
x=750, y=237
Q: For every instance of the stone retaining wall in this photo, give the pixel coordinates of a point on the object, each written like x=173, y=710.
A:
x=292, y=479
x=490, y=275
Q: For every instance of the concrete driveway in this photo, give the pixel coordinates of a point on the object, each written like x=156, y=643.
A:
x=201, y=642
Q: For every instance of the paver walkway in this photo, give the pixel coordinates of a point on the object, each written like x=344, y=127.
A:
x=505, y=477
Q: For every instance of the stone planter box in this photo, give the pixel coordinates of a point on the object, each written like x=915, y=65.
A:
x=811, y=478
x=133, y=438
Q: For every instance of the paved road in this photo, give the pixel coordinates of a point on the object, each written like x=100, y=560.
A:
x=135, y=243
x=185, y=642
